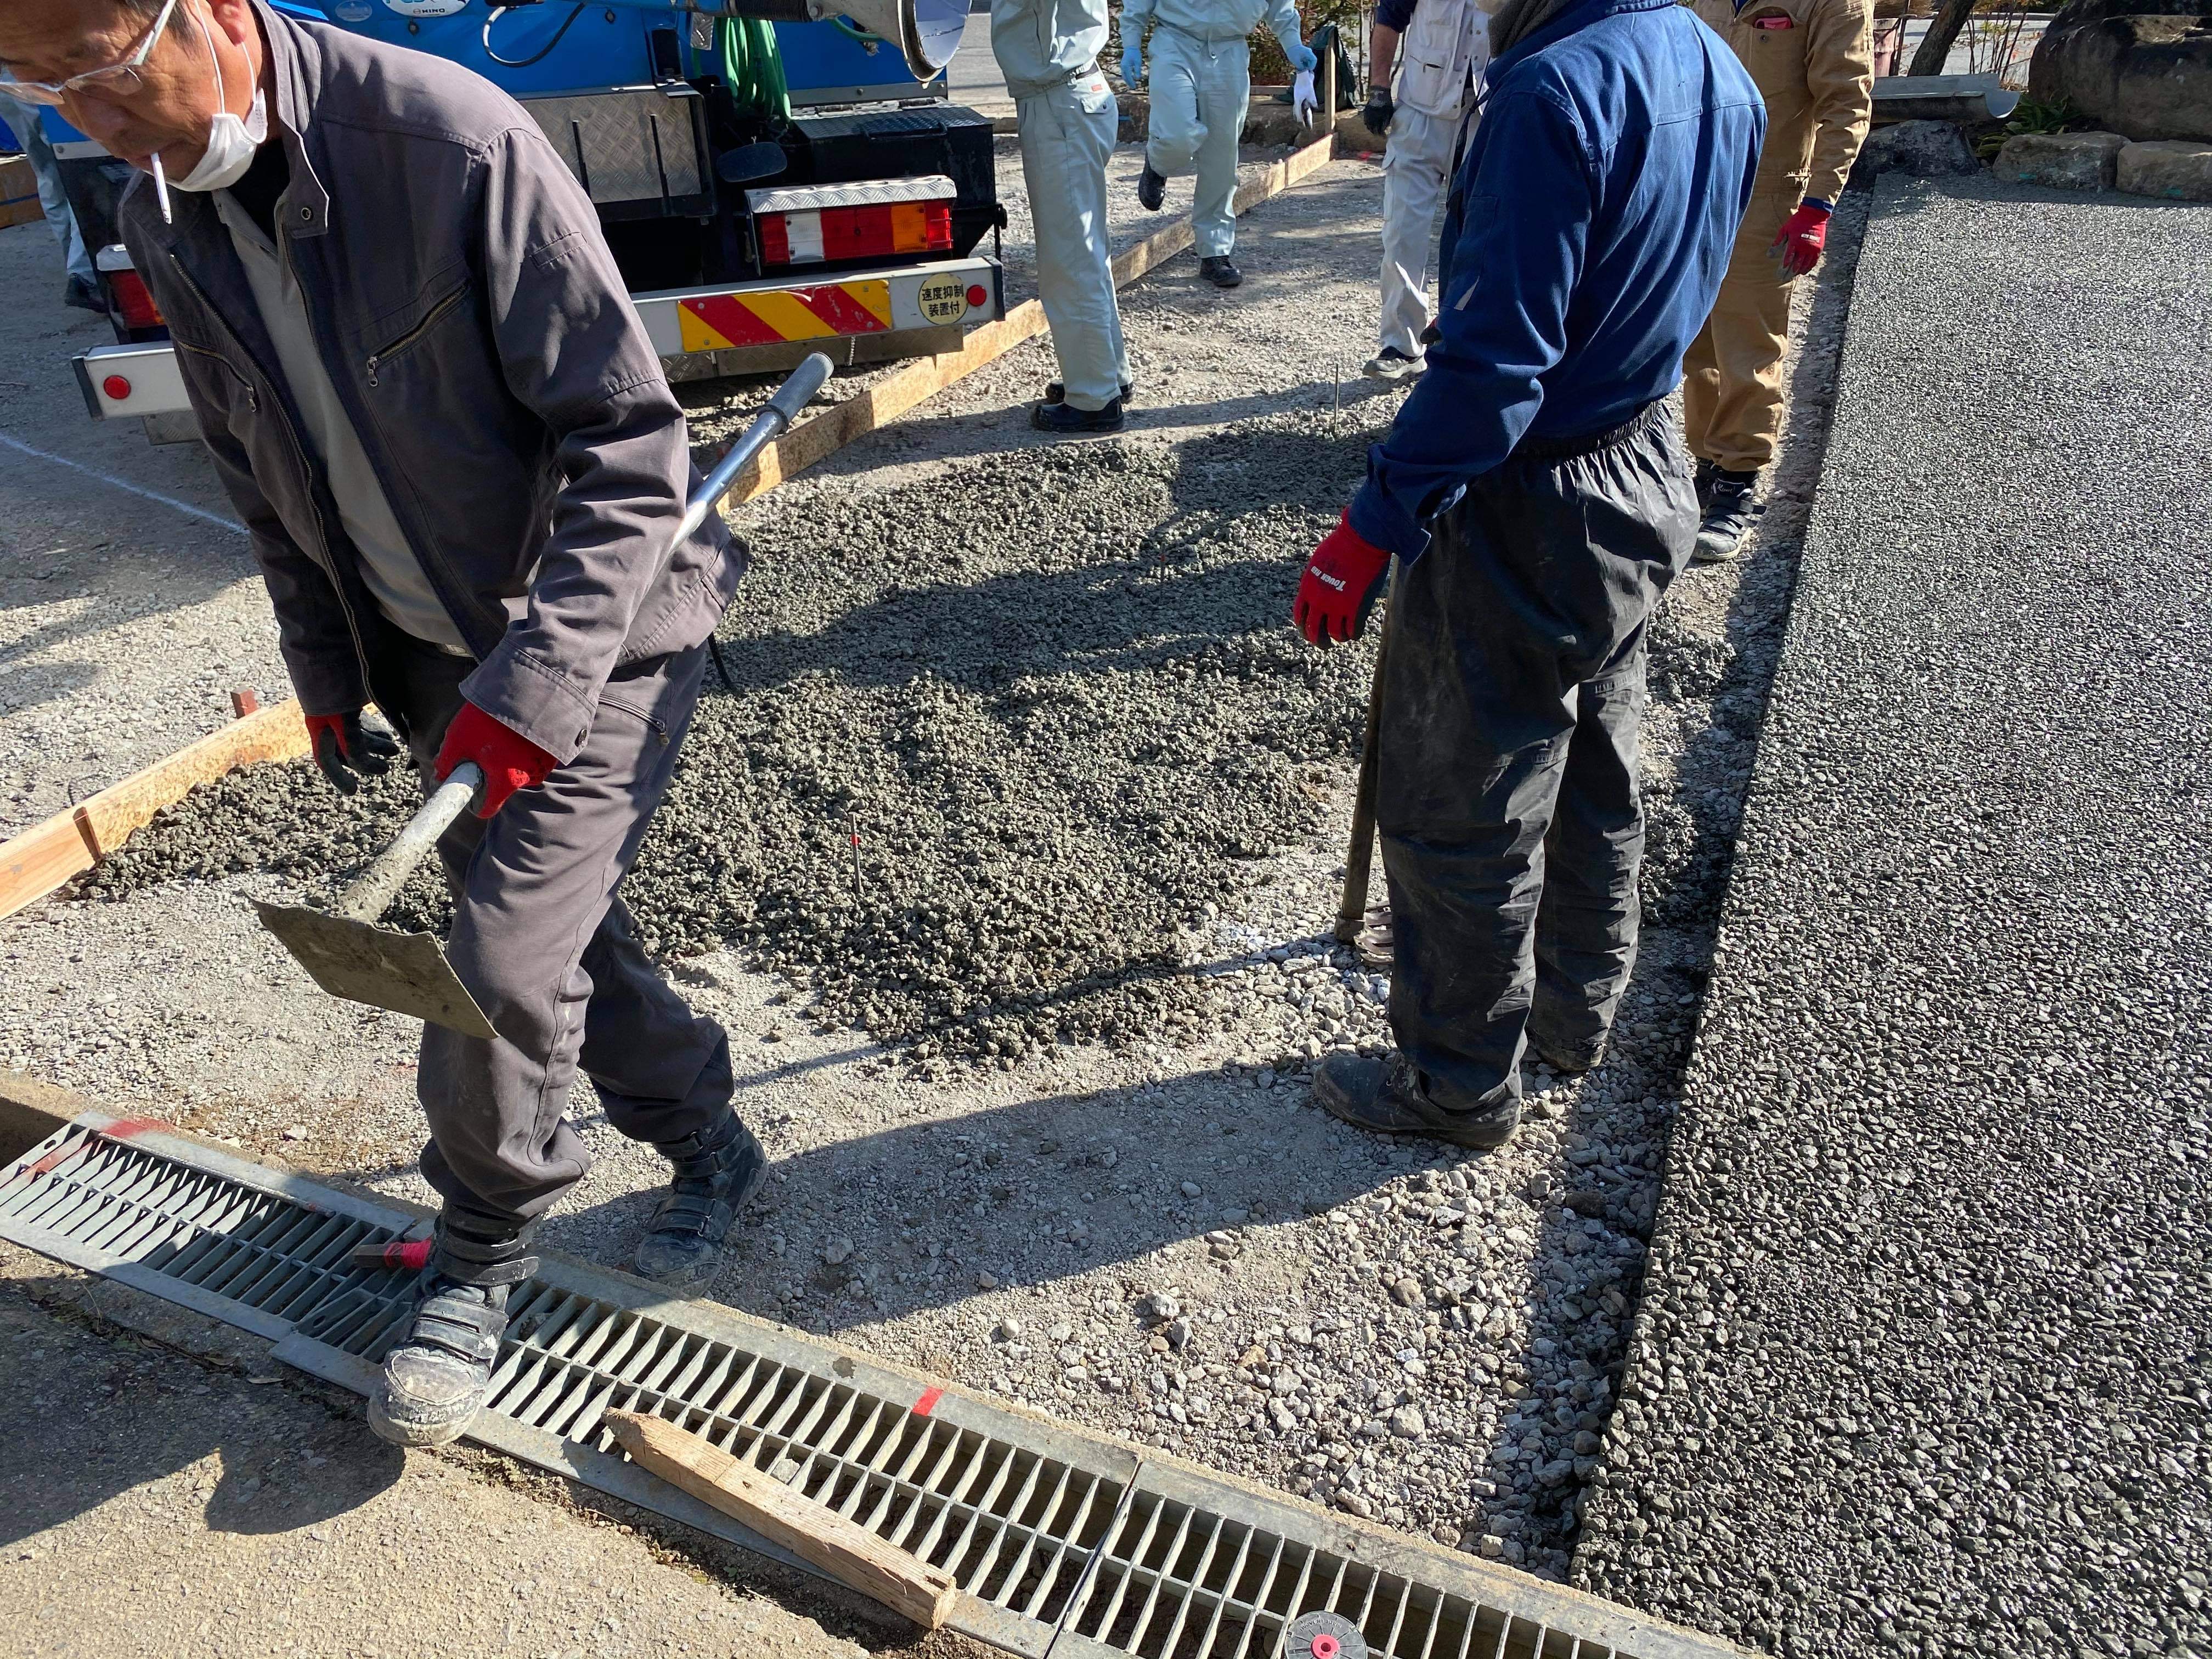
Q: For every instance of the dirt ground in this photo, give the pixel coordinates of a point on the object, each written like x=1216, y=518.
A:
x=1162, y=1241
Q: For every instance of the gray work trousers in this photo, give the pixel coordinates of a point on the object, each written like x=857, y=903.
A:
x=546, y=948
x=1513, y=699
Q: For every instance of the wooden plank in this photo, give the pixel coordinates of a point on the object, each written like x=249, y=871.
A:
x=845, y=1550
x=42, y=857
x=820, y=436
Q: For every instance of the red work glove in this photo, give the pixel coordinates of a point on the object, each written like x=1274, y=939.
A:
x=346, y=748
x=510, y=761
x=1804, y=235
x=1343, y=579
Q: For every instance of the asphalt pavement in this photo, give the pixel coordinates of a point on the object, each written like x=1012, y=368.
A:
x=1922, y=1362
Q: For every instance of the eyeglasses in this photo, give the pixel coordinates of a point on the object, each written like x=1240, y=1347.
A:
x=115, y=81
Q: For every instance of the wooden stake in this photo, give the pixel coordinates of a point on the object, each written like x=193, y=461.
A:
x=845, y=1550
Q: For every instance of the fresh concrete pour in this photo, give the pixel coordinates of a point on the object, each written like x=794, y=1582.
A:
x=1922, y=1367
x=1152, y=1234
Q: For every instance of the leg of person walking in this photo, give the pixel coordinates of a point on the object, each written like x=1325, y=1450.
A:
x=1067, y=136
x=1416, y=167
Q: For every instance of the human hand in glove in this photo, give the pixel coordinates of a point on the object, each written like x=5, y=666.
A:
x=344, y=749
x=1343, y=579
x=1302, y=56
x=1303, y=104
x=510, y=761
x=1132, y=65
x=1804, y=235
x=1376, y=117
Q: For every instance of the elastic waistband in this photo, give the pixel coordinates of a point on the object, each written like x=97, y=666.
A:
x=1567, y=449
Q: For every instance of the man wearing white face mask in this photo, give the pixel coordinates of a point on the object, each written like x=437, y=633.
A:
x=418, y=372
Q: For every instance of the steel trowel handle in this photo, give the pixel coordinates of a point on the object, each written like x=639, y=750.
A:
x=793, y=396
x=365, y=900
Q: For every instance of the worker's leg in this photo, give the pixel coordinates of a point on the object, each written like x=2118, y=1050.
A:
x=1176, y=125
x=1746, y=337
x=1586, y=924
x=1539, y=582
x=53, y=201
x=1225, y=91
x=1067, y=136
x=1701, y=392
x=1416, y=166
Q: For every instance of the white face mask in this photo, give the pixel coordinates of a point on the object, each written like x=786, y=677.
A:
x=232, y=139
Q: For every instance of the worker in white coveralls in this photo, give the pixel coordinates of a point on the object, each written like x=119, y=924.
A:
x=1048, y=52
x=1447, y=46
x=1201, y=81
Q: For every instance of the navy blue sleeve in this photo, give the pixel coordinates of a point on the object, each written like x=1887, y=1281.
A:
x=1395, y=14
x=1503, y=320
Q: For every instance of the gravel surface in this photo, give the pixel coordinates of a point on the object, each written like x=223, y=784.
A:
x=970, y=633
x=1921, y=1363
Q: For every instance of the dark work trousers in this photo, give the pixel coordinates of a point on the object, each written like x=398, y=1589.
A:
x=544, y=945
x=1506, y=793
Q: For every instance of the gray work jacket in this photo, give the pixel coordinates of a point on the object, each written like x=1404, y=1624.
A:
x=481, y=337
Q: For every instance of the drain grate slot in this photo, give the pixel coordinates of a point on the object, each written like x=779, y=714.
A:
x=1067, y=1545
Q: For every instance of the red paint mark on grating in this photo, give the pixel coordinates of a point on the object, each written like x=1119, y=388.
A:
x=129, y=1128
x=56, y=1158
x=927, y=1403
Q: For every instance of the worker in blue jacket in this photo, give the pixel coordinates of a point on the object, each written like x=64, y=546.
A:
x=1538, y=501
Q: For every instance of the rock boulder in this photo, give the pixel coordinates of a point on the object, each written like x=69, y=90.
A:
x=2062, y=161
x=2176, y=168
x=1927, y=148
x=2142, y=67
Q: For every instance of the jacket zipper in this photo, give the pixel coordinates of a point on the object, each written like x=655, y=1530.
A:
x=409, y=338
x=300, y=455
x=253, y=396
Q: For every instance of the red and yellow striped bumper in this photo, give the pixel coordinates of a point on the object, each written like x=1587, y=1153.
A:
x=716, y=322
x=945, y=293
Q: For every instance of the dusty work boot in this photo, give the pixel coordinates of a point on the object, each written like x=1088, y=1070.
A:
x=1220, y=271
x=1054, y=392
x=1567, y=1059
x=435, y=1379
x=1152, y=189
x=1706, y=472
x=1727, y=516
x=1386, y=1095
x=1391, y=365
x=717, y=1171
x=1066, y=419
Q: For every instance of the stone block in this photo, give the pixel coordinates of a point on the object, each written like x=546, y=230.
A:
x=1927, y=150
x=2062, y=161
x=2142, y=67
x=2178, y=169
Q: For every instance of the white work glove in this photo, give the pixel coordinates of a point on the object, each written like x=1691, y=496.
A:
x=1302, y=100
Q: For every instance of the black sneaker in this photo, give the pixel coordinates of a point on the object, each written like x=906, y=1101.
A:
x=84, y=294
x=1220, y=271
x=1707, y=471
x=1567, y=1059
x=717, y=1171
x=1054, y=392
x=1152, y=189
x=435, y=1379
x=1386, y=1097
x=1066, y=419
x=1727, y=516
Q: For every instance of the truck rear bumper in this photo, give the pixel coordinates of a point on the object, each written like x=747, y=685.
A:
x=853, y=316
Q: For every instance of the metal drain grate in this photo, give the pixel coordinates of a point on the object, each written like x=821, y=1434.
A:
x=1067, y=1545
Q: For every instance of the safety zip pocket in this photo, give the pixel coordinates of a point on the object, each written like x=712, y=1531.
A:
x=417, y=331
x=252, y=398
x=659, y=731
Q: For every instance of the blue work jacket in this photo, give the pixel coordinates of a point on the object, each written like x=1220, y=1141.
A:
x=1591, y=224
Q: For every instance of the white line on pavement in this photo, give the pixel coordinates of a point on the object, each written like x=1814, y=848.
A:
x=149, y=494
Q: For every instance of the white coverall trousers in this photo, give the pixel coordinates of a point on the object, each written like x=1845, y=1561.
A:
x=1416, y=171
x=1198, y=91
x=1067, y=132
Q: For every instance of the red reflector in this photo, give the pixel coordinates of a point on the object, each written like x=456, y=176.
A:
x=774, y=240
x=978, y=295
x=128, y=290
x=116, y=387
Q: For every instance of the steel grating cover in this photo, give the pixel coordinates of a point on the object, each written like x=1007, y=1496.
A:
x=1068, y=1545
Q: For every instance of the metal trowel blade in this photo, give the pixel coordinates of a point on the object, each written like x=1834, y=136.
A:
x=407, y=973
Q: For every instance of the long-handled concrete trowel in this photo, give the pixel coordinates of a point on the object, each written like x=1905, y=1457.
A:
x=346, y=952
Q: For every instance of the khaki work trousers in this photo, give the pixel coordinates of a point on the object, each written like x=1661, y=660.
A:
x=1732, y=372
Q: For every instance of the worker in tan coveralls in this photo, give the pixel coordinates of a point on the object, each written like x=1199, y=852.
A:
x=1813, y=61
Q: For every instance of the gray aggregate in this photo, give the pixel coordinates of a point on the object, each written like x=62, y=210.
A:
x=1921, y=1363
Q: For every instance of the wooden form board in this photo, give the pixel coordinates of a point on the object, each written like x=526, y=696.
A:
x=42, y=857
x=819, y=436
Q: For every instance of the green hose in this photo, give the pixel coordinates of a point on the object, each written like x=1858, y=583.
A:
x=754, y=69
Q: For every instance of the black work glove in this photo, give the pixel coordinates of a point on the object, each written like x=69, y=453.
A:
x=344, y=748
x=1376, y=117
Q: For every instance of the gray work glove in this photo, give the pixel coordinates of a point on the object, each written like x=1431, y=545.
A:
x=346, y=748
x=1376, y=117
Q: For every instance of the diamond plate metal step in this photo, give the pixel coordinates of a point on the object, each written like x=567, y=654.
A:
x=1069, y=1545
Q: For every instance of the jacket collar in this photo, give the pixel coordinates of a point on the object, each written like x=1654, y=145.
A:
x=1580, y=17
x=294, y=69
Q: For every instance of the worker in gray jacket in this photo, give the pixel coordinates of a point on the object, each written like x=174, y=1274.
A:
x=1048, y=50
x=418, y=371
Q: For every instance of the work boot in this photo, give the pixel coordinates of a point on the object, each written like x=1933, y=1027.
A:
x=1567, y=1059
x=1386, y=1097
x=1393, y=365
x=1054, y=392
x=84, y=294
x=1067, y=420
x=434, y=1380
x=1220, y=271
x=1707, y=471
x=717, y=1171
x=1727, y=516
x=1152, y=188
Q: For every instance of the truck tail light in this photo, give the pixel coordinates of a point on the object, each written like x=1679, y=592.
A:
x=127, y=289
x=876, y=231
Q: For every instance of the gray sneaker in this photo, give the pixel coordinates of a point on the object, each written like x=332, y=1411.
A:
x=436, y=1377
x=718, y=1170
x=1393, y=365
x=1728, y=516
